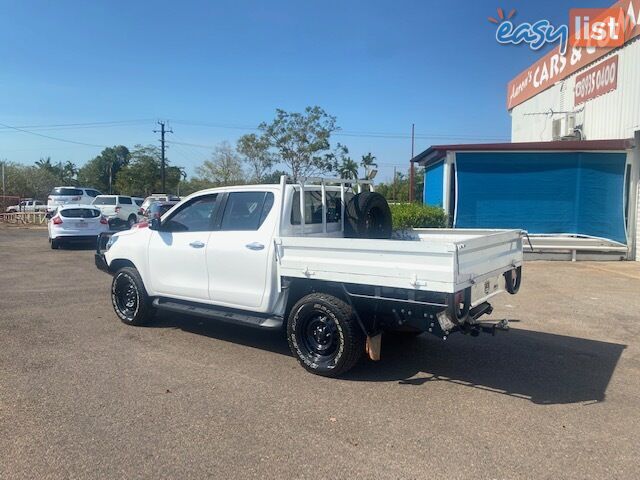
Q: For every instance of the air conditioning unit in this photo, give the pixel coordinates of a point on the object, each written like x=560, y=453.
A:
x=565, y=128
x=557, y=129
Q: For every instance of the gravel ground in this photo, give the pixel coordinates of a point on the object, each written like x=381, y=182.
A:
x=84, y=396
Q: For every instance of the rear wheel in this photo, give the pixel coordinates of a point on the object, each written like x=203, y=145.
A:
x=324, y=335
x=129, y=297
x=132, y=220
x=55, y=243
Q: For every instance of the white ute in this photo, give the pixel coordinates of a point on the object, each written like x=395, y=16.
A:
x=320, y=264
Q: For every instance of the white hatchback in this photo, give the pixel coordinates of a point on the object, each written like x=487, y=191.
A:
x=76, y=223
x=70, y=195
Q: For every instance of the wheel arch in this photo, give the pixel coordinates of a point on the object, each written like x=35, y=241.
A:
x=301, y=287
x=118, y=263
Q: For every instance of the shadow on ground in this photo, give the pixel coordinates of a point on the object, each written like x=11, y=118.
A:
x=540, y=367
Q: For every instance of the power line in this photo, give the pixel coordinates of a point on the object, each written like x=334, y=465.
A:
x=74, y=126
x=52, y=138
x=354, y=133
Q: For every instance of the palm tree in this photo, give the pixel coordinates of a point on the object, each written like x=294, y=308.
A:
x=348, y=168
x=367, y=162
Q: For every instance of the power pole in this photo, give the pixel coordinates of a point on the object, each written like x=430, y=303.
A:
x=395, y=199
x=162, y=131
x=411, y=171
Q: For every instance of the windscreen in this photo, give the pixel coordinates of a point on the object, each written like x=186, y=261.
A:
x=80, y=213
x=64, y=191
x=105, y=201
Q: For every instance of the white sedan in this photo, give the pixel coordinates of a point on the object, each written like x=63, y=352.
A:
x=76, y=223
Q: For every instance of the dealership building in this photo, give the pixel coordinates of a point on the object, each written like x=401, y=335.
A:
x=570, y=174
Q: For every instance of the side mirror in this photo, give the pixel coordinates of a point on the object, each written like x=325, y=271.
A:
x=154, y=224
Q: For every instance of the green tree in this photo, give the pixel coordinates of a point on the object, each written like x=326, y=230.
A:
x=347, y=168
x=101, y=171
x=194, y=185
x=224, y=167
x=255, y=153
x=368, y=162
x=65, y=172
x=301, y=140
x=141, y=175
x=273, y=176
x=29, y=181
x=398, y=191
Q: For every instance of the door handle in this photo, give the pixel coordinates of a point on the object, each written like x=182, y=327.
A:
x=254, y=246
x=196, y=244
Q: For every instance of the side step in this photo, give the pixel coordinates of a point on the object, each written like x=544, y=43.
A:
x=238, y=317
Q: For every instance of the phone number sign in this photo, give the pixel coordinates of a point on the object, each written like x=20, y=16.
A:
x=596, y=81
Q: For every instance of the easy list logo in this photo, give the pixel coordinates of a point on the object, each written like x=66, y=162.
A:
x=536, y=35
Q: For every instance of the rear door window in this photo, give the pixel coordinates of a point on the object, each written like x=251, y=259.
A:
x=105, y=201
x=80, y=213
x=125, y=200
x=92, y=193
x=67, y=192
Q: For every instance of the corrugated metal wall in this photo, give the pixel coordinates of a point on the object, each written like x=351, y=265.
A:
x=638, y=226
x=613, y=115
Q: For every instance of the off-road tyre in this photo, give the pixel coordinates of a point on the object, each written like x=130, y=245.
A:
x=129, y=297
x=367, y=215
x=333, y=317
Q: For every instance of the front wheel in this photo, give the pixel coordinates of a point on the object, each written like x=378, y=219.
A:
x=132, y=221
x=324, y=335
x=129, y=297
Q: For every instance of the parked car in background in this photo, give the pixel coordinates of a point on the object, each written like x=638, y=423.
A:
x=157, y=209
x=70, y=195
x=118, y=209
x=157, y=197
x=76, y=223
x=138, y=201
x=28, y=205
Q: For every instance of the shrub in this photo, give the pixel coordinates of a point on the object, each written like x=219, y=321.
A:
x=417, y=215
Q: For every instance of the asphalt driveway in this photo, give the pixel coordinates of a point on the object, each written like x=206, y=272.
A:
x=85, y=396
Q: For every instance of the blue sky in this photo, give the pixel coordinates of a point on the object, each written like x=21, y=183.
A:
x=215, y=69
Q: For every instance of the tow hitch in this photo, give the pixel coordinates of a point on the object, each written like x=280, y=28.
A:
x=492, y=328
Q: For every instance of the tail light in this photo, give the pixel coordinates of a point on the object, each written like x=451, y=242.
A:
x=75, y=199
x=104, y=221
x=118, y=209
x=57, y=220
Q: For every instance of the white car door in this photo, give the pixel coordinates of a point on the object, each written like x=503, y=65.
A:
x=177, y=252
x=240, y=252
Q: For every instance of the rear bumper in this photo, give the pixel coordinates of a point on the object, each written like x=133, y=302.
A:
x=101, y=262
x=72, y=237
